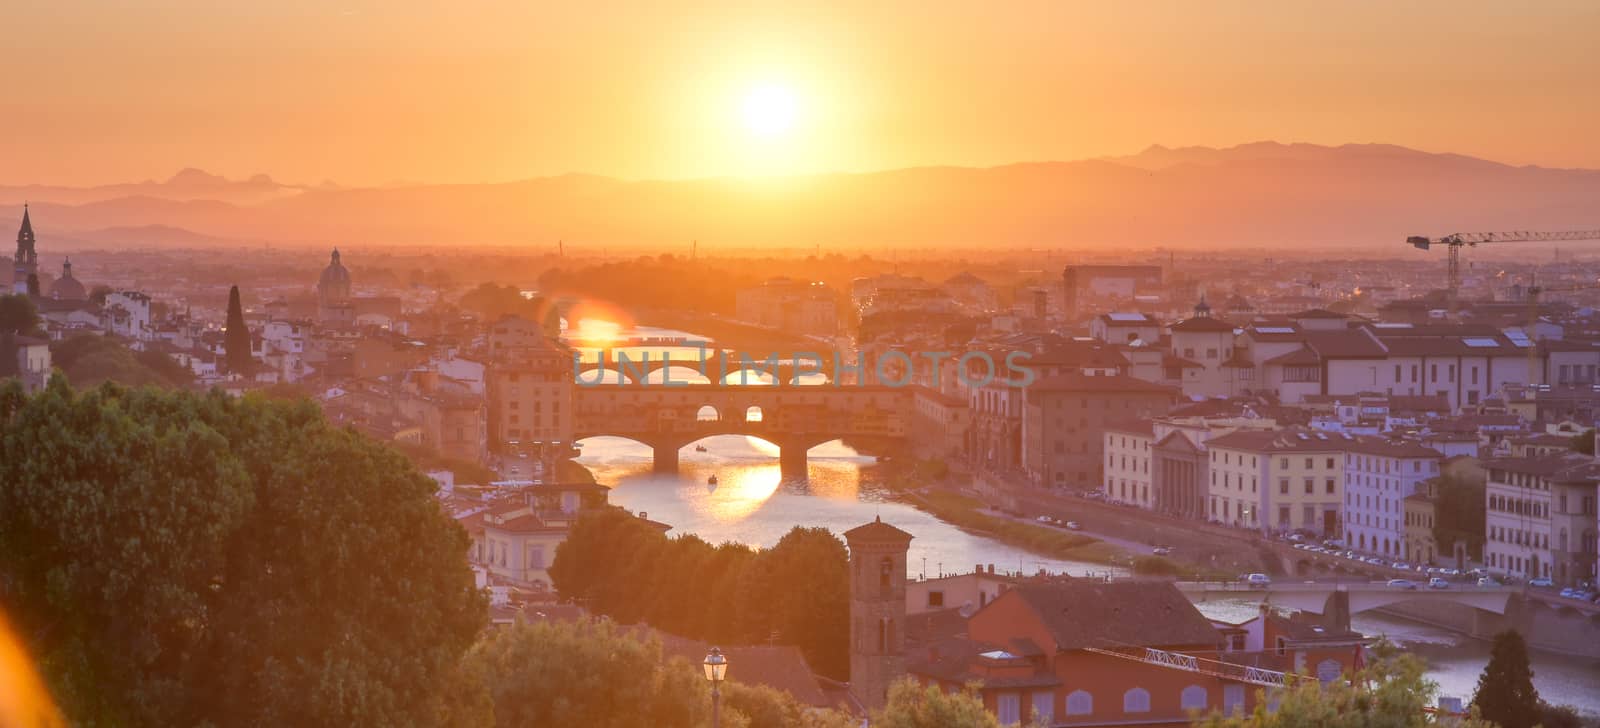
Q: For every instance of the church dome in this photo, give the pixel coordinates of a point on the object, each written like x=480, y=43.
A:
x=335, y=281
x=67, y=288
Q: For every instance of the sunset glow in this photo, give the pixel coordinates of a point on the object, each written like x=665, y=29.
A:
x=769, y=111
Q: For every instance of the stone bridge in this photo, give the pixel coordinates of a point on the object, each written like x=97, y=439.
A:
x=1336, y=601
x=717, y=364
x=796, y=419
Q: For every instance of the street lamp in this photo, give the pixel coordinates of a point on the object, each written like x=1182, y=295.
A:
x=716, y=667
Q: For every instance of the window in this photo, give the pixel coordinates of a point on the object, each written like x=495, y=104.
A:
x=1330, y=485
x=1044, y=705
x=1283, y=486
x=1232, y=698
x=1193, y=698
x=1329, y=670
x=536, y=557
x=1311, y=485
x=1008, y=708
x=935, y=598
x=1330, y=463
x=1080, y=702
x=1136, y=700
x=885, y=571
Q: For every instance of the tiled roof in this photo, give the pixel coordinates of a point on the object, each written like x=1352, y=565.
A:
x=878, y=531
x=1345, y=344
x=1299, y=357
x=1079, y=382
x=1085, y=613
x=1298, y=440
x=1201, y=324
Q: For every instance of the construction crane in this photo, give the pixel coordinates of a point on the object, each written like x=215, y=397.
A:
x=1455, y=241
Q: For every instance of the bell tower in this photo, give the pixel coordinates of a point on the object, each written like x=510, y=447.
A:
x=877, y=609
x=26, y=261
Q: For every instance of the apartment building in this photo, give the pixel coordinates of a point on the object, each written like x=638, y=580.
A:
x=1379, y=475
x=1278, y=480
x=1541, y=517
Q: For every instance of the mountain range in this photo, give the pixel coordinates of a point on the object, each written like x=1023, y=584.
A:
x=1264, y=194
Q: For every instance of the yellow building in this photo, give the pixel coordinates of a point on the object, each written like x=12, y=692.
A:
x=1277, y=480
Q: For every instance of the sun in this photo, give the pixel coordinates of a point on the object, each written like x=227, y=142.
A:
x=770, y=111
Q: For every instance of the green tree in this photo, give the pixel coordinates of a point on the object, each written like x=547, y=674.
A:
x=236, y=341
x=174, y=558
x=594, y=673
x=1583, y=443
x=914, y=706
x=1505, y=692
x=89, y=359
x=1391, y=692
x=18, y=315
x=796, y=592
x=1459, y=514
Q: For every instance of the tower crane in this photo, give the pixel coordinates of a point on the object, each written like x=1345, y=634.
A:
x=1455, y=241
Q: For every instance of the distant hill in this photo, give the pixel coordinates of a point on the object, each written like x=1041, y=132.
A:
x=187, y=184
x=1264, y=194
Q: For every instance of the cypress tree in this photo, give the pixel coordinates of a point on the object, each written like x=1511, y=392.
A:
x=1505, y=691
x=236, y=337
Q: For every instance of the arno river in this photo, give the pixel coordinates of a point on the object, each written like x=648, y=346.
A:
x=751, y=504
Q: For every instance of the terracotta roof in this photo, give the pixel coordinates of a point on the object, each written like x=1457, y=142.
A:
x=1345, y=344
x=1296, y=440
x=1201, y=324
x=1297, y=358
x=1082, y=614
x=1383, y=447
x=877, y=530
x=1133, y=427
x=1079, y=382
x=1317, y=313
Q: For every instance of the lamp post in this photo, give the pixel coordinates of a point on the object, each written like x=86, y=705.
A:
x=716, y=668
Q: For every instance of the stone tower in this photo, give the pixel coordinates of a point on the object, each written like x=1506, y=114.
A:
x=26, y=260
x=877, y=609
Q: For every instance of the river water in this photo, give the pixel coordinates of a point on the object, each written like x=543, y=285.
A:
x=752, y=504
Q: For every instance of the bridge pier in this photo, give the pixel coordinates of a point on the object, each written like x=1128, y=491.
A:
x=792, y=460
x=1336, y=613
x=665, y=458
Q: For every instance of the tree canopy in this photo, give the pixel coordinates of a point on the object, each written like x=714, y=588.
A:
x=594, y=673
x=913, y=706
x=797, y=591
x=18, y=315
x=1391, y=692
x=1505, y=692
x=236, y=341
x=174, y=558
x=89, y=359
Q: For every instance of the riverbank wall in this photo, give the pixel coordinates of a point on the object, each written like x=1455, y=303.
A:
x=1553, y=630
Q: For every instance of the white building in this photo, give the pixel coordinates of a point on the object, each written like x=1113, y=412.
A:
x=1128, y=454
x=1541, y=520
x=1379, y=474
x=127, y=314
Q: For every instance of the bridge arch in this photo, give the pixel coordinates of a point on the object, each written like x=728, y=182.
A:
x=753, y=413
x=707, y=413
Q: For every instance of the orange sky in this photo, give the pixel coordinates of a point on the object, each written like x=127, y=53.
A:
x=363, y=91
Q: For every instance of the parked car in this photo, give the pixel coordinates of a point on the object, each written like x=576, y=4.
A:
x=1402, y=584
x=1438, y=583
x=1334, y=543
x=1043, y=519
x=1488, y=581
x=1258, y=581
x=1569, y=593
x=1073, y=525
x=1401, y=565
x=1542, y=582
x=1161, y=551
x=1297, y=538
